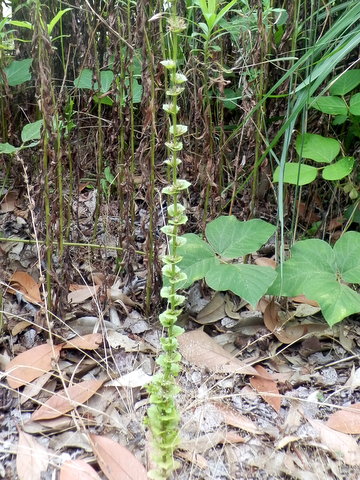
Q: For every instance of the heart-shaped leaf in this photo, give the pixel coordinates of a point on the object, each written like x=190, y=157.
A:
x=297, y=173
x=321, y=273
x=316, y=147
x=250, y=282
x=231, y=238
x=331, y=105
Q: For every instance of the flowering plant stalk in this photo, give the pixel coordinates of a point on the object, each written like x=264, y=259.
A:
x=163, y=416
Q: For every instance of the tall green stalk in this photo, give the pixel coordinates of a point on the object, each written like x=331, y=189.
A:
x=163, y=416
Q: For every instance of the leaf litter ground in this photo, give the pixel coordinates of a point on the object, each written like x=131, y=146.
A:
x=265, y=394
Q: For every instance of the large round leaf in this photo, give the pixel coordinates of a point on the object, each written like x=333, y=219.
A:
x=297, y=173
x=316, y=147
x=232, y=238
x=250, y=282
x=346, y=251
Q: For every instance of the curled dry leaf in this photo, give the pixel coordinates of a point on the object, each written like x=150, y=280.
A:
x=201, y=350
x=346, y=420
x=235, y=419
x=204, y=442
x=90, y=341
x=31, y=364
x=77, y=470
x=32, y=458
x=341, y=445
x=24, y=283
x=82, y=293
x=266, y=387
x=64, y=401
x=213, y=311
x=290, y=333
x=265, y=262
x=116, y=461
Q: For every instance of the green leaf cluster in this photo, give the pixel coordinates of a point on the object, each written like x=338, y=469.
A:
x=324, y=274
x=30, y=136
x=228, y=239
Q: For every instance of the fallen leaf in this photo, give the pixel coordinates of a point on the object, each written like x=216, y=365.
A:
x=136, y=378
x=64, y=401
x=201, y=350
x=290, y=333
x=31, y=458
x=24, y=283
x=304, y=299
x=341, y=445
x=116, y=461
x=204, y=443
x=77, y=470
x=265, y=262
x=267, y=388
x=31, y=364
x=85, y=342
x=20, y=326
x=194, y=458
x=213, y=311
x=346, y=420
x=81, y=294
x=306, y=310
x=235, y=419
x=8, y=202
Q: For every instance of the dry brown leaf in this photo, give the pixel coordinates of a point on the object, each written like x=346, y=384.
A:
x=134, y=379
x=90, y=341
x=64, y=401
x=31, y=459
x=31, y=364
x=346, y=420
x=290, y=333
x=213, y=311
x=303, y=299
x=7, y=204
x=116, y=461
x=265, y=262
x=235, y=419
x=194, y=458
x=341, y=445
x=265, y=386
x=77, y=470
x=201, y=350
x=20, y=326
x=24, y=283
x=79, y=295
x=204, y=442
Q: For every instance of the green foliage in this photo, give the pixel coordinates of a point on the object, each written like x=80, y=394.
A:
x=85, y=80
x=321, y=150
x=228, y=239
x=30, y=133
x=18, y=72
x=323, y=274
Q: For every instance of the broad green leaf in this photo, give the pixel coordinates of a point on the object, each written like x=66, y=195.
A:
x=339, y=170
x=232, y=238
x=354, y=215
x=355, y=104
x=7, y=148
x=85, y=79
x=103, y=100
x=198, y=258
x=137, y=91
x=346, y=82
x=230, y=98
x=330, y=105
x=250, y=282
x=347, y=250
x=18, y=72
x=316, y=147
x=55, y=20
x=106, y=78
x=31, y=131
x=319, y=272
x=339, y=119
x=297, y=173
